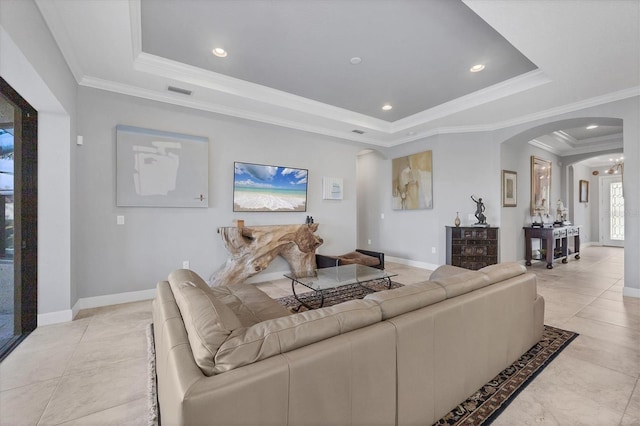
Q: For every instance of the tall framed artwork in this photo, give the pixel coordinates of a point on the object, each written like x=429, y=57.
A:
x=540, y=185
x=412, y=181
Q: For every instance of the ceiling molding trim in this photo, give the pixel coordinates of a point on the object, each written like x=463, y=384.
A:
x=500, y=90
x=618, y=145
x=49, y=12
x=564, y=137
x=125, y=89
x=163, y=67
x=543, y=146
x=565, y=109
x=135, y=17
x=603, y=139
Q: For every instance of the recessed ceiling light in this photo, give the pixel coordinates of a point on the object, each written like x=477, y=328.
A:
x=476, y=68
x=386, y=107
x=355, y=60
x=592, y=126
x=219, y=52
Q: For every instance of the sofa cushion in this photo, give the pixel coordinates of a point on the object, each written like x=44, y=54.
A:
x=445, y=271
x=503, y=271
x=462, y=283
x=407, y=298
x=272, y=337
x=250, y=304
x=183, y=275
x=208, y=322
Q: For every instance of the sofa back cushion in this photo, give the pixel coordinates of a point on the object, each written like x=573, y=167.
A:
x=280, y=335
x=407, y=298
x=503, y=271
x=208, y=322
x=462, y=282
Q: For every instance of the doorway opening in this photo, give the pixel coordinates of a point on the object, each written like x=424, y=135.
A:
x=18, y=218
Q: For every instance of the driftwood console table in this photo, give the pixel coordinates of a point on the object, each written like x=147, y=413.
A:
x=554, y=243
x=252, y=248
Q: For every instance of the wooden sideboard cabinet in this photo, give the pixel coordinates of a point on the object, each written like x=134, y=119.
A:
x=472, y=247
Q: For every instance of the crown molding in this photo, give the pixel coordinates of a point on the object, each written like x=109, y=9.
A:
x=565, y=109
x=198, y=77
x=500, y=90
x=180, y=100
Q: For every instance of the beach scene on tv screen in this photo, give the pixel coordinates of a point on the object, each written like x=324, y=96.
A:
x=261, y=188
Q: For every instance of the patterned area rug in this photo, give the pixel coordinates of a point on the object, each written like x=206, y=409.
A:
x=335, y=295
x=486, y=404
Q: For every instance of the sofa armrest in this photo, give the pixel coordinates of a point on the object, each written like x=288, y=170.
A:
x=379, y=255
x=325, y=261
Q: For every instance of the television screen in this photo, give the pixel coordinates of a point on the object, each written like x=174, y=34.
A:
x=261, y=188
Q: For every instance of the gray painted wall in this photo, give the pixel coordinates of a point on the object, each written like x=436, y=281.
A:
x=154, y=241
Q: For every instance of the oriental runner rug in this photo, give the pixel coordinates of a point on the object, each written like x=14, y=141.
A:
x=485, y=405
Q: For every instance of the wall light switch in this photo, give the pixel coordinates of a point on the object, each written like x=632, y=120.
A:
x=80, y=140
x=120, y=220
x=433, y=249
x=381, y=215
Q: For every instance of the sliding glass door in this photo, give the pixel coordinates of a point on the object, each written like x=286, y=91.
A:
x=18, y=218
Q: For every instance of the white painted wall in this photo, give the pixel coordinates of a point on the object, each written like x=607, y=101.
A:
x=32, y=64
x=584, y=214
x=154, y=241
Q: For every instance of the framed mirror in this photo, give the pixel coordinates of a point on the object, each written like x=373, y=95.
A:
x=540, y=185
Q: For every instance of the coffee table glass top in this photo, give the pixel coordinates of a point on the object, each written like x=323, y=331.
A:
x=325, y=278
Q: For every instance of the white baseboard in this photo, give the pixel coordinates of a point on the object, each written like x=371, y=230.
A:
x=55, y=317
x=414, y=263
x=112, y=299
x=631, y=292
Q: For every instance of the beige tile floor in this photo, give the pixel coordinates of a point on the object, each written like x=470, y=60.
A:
x=92, y=371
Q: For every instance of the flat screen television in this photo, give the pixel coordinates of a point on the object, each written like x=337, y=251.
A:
x=262, y=188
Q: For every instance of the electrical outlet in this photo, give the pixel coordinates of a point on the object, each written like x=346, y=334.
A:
x=433, y=250
x=185, y=264
x=369, y=242
x=381, y=215
x=120, y=220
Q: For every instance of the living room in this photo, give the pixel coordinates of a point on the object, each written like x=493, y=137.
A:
x=88, y=260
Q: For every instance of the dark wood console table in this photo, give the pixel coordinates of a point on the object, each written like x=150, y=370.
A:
x=554, y=243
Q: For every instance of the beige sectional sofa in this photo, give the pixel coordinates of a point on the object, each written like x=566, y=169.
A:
x=233, y=356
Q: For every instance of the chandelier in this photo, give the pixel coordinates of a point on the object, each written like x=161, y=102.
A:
x=617, y=167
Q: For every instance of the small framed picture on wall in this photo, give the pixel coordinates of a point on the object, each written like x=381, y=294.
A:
x=509, y=188
x=584, y=191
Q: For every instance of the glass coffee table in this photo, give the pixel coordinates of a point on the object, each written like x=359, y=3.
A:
x=324, y=279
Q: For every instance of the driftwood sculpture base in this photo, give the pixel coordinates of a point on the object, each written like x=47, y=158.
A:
x=252, y=248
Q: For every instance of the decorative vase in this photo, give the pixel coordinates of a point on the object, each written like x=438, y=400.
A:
x=457, y=221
